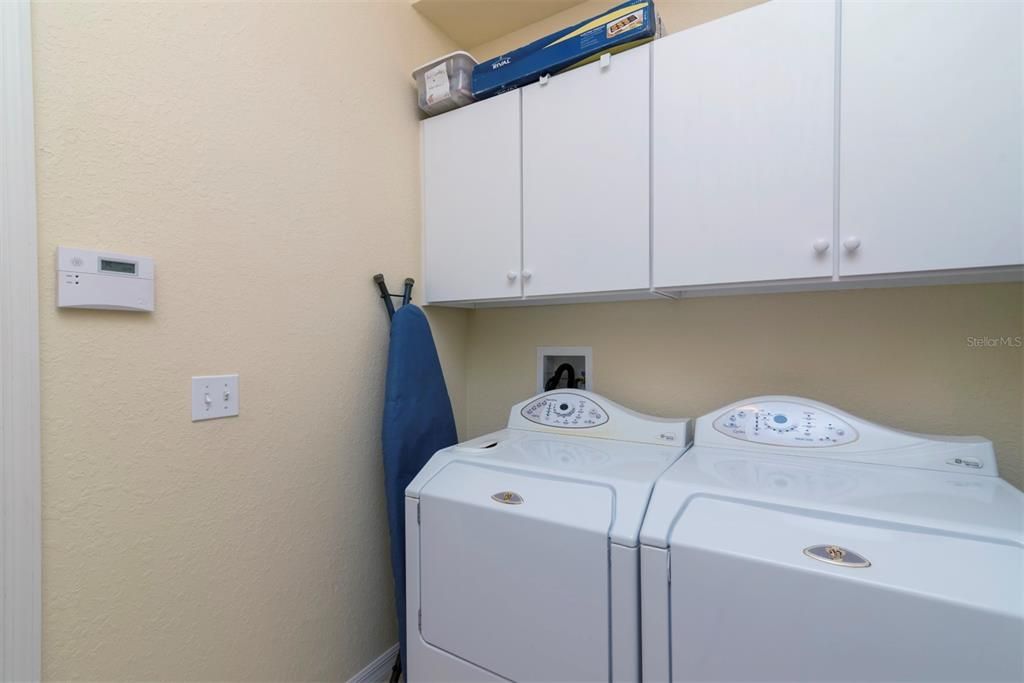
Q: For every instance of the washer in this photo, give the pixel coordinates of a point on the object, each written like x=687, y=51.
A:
x=522, y=546
x=795, y=542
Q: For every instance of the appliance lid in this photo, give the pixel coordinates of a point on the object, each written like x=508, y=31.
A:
x=627, y=470
x=949, y=502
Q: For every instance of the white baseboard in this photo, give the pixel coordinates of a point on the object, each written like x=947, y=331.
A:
x=379, y=670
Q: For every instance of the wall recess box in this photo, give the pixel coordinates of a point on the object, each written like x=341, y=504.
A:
x=98, y=279
x=581, y=358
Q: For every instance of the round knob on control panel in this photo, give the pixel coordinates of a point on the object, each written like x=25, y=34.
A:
x=512, y=275
x=821, y=245
x=852, y=243
x=527, y=275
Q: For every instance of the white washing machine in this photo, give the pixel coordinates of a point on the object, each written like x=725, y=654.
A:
x=522, y=552
x=795, y=542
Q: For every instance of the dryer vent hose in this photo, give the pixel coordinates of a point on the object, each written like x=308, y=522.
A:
x=556, y=378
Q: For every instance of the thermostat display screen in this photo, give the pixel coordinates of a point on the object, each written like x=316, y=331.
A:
x=117, y=266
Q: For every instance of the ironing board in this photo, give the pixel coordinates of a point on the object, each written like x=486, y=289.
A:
x=418, y=422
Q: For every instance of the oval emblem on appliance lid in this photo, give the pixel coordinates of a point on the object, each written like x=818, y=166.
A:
x=507, y=497
x=834, y=554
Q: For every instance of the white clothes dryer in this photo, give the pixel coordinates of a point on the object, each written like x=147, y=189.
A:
x=795, y=542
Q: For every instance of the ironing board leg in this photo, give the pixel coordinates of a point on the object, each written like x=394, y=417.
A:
x=396, y=670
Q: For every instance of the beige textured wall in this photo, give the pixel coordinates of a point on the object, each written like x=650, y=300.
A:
x=676, y=15
x=267, y=156
x=896, y=356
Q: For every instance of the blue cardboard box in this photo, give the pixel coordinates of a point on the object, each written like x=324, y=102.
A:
x=620, y=28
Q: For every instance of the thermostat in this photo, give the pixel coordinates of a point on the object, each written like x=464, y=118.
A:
x=96, y=279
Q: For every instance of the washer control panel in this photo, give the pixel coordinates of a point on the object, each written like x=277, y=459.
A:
x=782, y=423
x=569, y=411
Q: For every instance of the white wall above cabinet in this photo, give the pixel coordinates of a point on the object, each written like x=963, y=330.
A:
x=471, y=202
x=744, y=160
x=586, y=178
x=931, y=136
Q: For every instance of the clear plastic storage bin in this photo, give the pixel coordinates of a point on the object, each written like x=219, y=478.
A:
x=445, y=83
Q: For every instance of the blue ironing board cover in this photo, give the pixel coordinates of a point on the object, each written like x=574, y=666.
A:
x=418, y=422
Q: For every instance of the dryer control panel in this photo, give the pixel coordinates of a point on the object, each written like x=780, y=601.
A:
x=565, y=410
x=782, y=423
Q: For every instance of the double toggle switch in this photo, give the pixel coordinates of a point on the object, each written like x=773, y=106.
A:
x=214, y=396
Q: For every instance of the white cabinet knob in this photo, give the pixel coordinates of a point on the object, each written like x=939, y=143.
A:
x=820, y=245
x=527, y=275
x=852, y=243
x=512, y=275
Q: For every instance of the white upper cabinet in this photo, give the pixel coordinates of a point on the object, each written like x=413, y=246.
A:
x=471, y=202
x=744, y=147
x=761, y=150
x=931, y=145
x=586, y=184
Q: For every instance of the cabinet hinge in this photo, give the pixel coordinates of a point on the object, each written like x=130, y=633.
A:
x=417, y=514
x=668, y=565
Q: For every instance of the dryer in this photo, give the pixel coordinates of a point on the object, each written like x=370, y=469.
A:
x=795, y=542
x=522, y=551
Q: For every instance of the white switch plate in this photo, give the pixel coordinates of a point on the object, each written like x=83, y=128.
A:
x=214, y=396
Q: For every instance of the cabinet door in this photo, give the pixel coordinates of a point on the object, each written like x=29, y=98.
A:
x=744, y=138
x=586, y=178
x=930, y=135
x=471, y=202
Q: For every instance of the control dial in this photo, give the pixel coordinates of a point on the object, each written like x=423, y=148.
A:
x=564, y=408
x=779, y=423
x=568, y=411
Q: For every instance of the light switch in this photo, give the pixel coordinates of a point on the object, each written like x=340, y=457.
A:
x=214, y=396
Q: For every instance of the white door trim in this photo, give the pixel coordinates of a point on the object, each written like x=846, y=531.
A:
x=20, y=512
